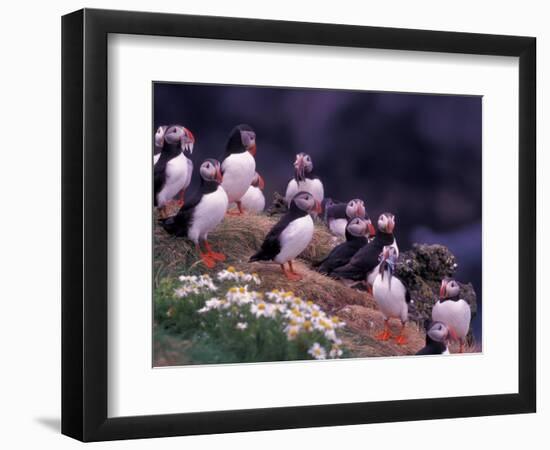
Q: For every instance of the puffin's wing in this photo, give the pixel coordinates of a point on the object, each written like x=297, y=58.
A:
x=179, y=224
x=407, y=294
x=360, y=264
x=159, y=176
x=367, y=257
x=339, y=256
x=271, y=245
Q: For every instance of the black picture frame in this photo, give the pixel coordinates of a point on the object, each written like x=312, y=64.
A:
x=84, y=224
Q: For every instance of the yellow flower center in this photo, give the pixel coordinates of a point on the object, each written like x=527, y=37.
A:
x=231, y=269
x=242, y=290
x=233, y=290
x=307, y=325
x=261, y=306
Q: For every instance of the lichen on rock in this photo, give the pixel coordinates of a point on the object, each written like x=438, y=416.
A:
x=422, y=268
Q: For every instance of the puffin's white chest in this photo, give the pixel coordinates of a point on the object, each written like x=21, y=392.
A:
x=456, y=315
x=295, y=238
x=238, y=172
x=338, y=227
x=390, y=297
x=313, y=186
x=176, y=177
x=156, y=158
x=208, y=213
x=253, y=199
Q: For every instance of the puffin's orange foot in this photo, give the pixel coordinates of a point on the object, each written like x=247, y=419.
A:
x=401, y=340
x=217, y=256
x=207, y=260
x=233, y=212
x=293, y=276
x=384, y=336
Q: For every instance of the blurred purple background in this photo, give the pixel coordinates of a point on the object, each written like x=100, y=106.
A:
x=416, y=155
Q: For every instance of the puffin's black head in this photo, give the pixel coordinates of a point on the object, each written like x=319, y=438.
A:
x=386, y=222
x=302, y=165
x=449, y=288
x=176, y=135
x=437, y=331
x=242, y=139
x=304, y=201
x=357, y=227
x=210, y=170
x=258, y=181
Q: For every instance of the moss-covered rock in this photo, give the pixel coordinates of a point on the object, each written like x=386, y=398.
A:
x=422, y=268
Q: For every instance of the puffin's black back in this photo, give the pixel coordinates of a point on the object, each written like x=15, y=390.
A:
x=179, y=224
x=337, y=211
x=168, y=152
x=342, y=253
x=234, y=142
x=271, y=245
x=365, y=259
x=432, y=347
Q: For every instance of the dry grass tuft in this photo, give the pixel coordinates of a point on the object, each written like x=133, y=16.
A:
x=238, y=237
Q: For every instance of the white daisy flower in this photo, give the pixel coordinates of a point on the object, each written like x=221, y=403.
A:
x=261, y=309
x=242, y=326
x=317, y=351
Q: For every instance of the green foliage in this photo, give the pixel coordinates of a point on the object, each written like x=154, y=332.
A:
x=237, y=325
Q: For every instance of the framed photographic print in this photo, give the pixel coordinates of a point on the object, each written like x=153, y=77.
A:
x=273, y=224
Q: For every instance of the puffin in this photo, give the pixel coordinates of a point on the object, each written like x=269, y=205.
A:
x=239, y=165
x=159, y=141
x=304, y=180
x=453, y=311
x=173, y=168
x=338, y=215
x=356, y=233
x=202, y=213
x=362, y=266
x=391, y=295
x=291, y=235
x=437, y=340
x=253, y=199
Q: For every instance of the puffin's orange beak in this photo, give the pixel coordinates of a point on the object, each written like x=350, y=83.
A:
x=318, y=209
x=360, y=210
x=261, y=183
x=219, y=176
x=443, y=289
x=372, y=231
x=252, y=149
